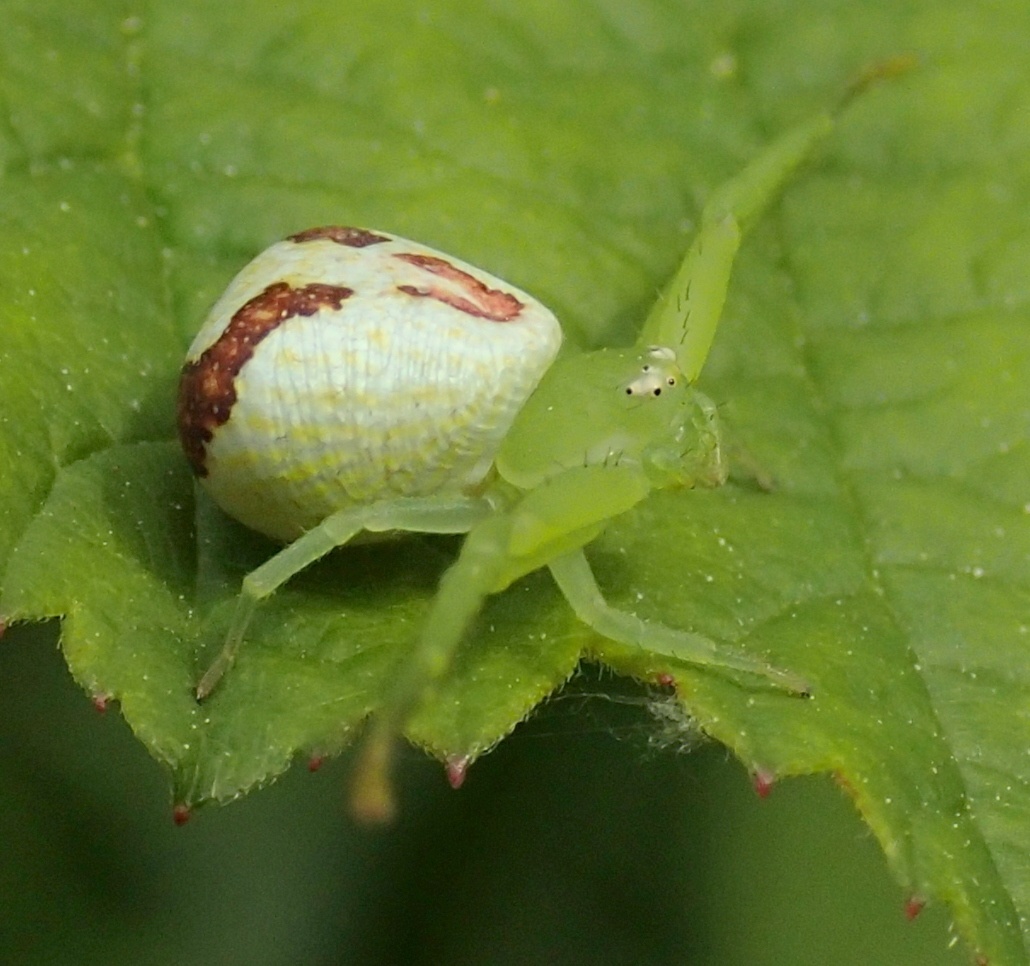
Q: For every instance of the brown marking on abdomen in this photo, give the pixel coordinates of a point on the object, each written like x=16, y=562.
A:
x=342, y=235
x=207, y=385
x=479, y=300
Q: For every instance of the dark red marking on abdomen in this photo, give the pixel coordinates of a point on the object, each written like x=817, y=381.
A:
x=476, y=299
x=207, y=385
x=342, y=235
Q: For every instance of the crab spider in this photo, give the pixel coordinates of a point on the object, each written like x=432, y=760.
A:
x=353, y=382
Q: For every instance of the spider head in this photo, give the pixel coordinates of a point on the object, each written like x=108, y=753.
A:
x=613, y=407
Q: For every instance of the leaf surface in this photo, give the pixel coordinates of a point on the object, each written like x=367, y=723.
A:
x=873, y=361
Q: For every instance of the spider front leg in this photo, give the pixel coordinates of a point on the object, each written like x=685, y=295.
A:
x=687, y=313
x=559, y=516
x=576, y=581
x=413, y=514
x=463, y=588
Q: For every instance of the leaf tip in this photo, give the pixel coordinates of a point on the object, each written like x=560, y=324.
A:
x=844, y=783
x=100, y=702
x=914, y=905
x=181, y=814
x=763, y=780
x=456, y=768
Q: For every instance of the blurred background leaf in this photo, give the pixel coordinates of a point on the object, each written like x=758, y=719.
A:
x=576, y=841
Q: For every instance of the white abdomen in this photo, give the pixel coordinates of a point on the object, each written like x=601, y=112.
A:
x=344, y=366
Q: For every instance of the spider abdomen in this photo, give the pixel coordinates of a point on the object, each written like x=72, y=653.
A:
x=344, y=366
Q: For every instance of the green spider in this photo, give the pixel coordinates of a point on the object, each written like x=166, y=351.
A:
x=350, y=382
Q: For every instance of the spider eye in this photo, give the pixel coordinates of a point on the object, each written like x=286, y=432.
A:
x=653, y=376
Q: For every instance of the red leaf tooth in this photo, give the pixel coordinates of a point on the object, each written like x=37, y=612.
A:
x=457, y=768
x=913, y=906
x=763, y=780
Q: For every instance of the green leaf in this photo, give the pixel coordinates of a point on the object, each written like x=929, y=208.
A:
x=874, y=361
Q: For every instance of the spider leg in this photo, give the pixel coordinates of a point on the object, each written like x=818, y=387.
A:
x=561, y=515
x=687, y=314
x=415, y=514
x=574, y=577
x=463, y=588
